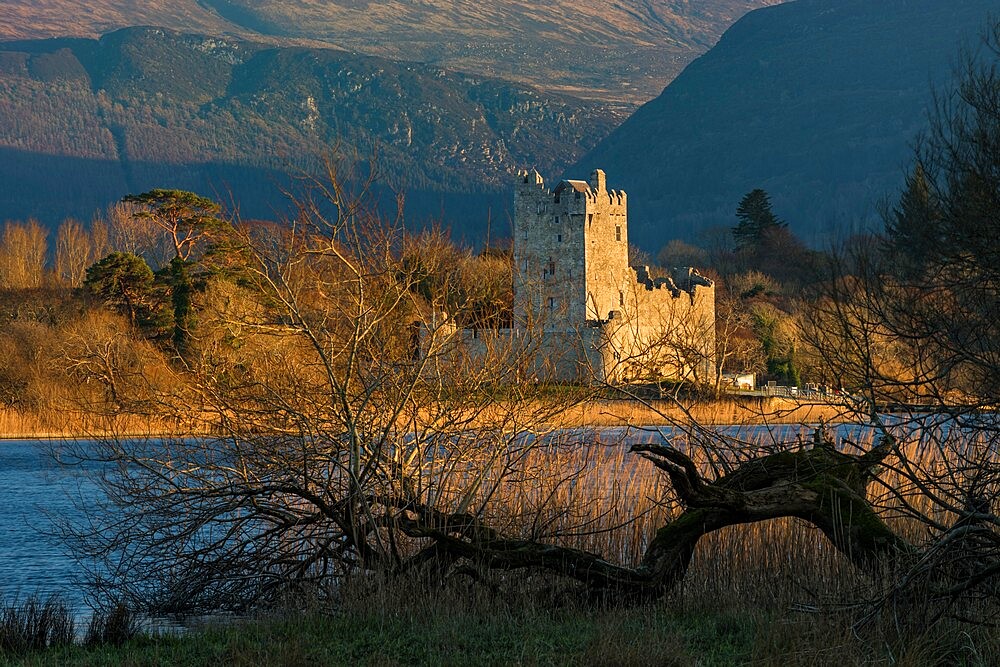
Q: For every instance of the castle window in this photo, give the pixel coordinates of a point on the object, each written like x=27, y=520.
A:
x=559, y=238
x=525, y=233
x=618, y=232
x=552, y=267
x=556, y=219
x=590, y=219
x=540, y=208
x=621, y=298
x=552, y=303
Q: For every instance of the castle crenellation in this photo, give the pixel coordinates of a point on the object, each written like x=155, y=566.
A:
x=642, y=275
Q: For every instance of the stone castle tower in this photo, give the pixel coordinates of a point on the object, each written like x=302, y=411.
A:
x=570, y=251
x=572, y=281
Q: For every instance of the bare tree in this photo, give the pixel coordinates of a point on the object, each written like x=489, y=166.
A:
x=737, y=349
x=100, y=239
x=343, y=409
x=73, y=252
x=22, y=255
x=680, y=253
x=907, y=323
x=131, y=233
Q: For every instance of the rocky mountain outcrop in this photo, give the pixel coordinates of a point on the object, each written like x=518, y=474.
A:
x=149, y=107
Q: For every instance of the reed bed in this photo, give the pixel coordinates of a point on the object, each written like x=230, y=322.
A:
x=85, y=424
x=596, y=496
x=726, y=410
x=45, y=627
x=33, y=625
x=69, y=420
x=773, y=592
x=801, y=596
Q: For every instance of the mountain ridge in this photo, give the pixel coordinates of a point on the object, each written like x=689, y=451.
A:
x=153, y=104
x=613, y=51
x=817, y=102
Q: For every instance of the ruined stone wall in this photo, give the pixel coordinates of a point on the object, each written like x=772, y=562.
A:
x=541, y=356
x=666, y=329
x=606, y=231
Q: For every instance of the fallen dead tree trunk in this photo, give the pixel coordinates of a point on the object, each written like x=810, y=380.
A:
x=821, y=485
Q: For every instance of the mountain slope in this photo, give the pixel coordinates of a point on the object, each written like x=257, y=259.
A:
x=620, y=51
x=35, y=19
x=816, y=101
x=155, y=108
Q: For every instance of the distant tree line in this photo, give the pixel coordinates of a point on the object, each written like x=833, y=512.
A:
x=761, y=270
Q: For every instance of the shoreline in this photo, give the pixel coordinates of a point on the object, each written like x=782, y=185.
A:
x=602, y=413
x=729, y=411
x=58, y=437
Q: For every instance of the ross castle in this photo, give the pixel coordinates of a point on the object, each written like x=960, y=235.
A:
x=594, y=317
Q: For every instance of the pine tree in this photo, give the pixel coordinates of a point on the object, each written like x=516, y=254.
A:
x=125, y=282
x=755, y=219
x=190, y=222
x=914, y=226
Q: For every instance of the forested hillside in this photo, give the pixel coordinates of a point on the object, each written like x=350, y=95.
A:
x=84, y=122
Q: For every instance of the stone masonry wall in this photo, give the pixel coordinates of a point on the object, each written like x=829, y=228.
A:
x=549, y=283
x=606, y=252
x=665, y=330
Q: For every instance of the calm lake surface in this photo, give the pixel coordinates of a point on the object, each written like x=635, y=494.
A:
x=36, y=491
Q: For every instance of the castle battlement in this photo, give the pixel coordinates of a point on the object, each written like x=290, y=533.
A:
x=593, y=191
x=531, y=179
x=643, y=278
x=684, y=279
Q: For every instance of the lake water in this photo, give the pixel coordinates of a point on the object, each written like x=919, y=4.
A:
x=36, y=490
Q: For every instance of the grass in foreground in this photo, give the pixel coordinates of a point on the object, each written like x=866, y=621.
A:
x=637, y=637
x=408, y=625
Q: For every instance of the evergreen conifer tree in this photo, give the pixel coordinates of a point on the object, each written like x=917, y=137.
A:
x=189, y=222
x=914, y=226
x=755, y=218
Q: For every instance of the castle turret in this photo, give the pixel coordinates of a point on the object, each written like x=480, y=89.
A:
x=532, y=179
x=598, y=180
x=606, y=249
